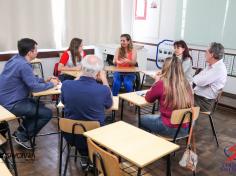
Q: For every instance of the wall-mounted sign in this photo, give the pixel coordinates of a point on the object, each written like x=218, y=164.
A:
x=140, y=9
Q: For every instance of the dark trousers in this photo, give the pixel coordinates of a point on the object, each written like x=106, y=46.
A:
x=204, y=103
x=64, y=77
x=27, y=109
x=79, y=141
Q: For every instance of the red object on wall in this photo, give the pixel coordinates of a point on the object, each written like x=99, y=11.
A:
x=140, y=9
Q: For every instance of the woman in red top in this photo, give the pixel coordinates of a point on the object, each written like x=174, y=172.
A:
x=70, y=59
x=125, y=57
x=173, y=92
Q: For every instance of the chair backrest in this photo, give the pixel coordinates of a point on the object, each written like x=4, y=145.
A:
x=77, y=126
x=105, y=162
x=55, y=70
x=178, y=115
x=181, y=116
x=109, y=59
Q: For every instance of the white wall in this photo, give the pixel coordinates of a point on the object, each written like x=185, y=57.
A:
x=126, y=16
x=47, y=63
x=2, y=66
x=165, y=30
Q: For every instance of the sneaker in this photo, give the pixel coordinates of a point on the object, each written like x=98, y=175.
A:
x=14, y=135
x=25, y=144
x=84, y=163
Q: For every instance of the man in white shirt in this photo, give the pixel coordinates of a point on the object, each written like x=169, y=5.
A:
x=212, y=79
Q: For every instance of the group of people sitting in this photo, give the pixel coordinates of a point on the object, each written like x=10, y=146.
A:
x=86, y=98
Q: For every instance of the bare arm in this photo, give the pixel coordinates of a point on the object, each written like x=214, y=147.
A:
x=134, y=57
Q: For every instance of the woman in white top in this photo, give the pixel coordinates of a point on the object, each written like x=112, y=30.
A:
x=182, y=52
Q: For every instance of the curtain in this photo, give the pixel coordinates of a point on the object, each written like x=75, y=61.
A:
x=25, y=18
x=53, y=23
x=94, y=21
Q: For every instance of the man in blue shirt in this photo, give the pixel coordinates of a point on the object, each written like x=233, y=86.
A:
x=16, y=82
x=85, y=99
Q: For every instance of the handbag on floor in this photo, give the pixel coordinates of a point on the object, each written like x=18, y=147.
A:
x=189, y=159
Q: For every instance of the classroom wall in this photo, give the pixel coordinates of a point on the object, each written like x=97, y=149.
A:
x=166, y=30
x=48, y=66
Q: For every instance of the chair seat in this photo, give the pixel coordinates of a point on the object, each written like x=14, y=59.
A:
x=2, y=140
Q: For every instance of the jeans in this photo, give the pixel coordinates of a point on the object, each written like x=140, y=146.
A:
x=154, y=124
x=27, y=109
x=118, y=78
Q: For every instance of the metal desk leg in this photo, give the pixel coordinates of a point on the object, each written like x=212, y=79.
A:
x=12, y=150
x=122, y=108
x=139, y=172
x=35, y=125
x=168, y=166
x=153, y=108
x=41, y=68
x=60, y=153
x=139, y=116
x=113, y=115
x=144, y=75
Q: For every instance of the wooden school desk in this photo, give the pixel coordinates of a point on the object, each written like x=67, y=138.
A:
x=6, y=116
x=133, y=144
x=72, y=73
x=4, y=171
x=121, y=69
x=134, y=98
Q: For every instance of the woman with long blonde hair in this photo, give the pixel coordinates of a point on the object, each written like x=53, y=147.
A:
x=173, y=92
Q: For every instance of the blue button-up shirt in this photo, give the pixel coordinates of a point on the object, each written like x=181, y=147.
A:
x=85, y=99
x=17, y=80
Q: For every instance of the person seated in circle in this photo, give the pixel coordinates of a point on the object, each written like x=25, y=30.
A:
x=125, y=56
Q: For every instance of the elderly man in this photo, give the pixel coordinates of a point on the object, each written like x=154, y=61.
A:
x=85, y=99
x=212, y=79
x=16, y=82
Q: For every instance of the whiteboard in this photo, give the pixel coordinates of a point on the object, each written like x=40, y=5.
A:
x=200, y=22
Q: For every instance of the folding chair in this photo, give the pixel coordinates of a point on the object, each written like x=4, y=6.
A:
x=37, y=67
x=210, y=114
x=179, y=117
x=107, y=164
x=73, y=127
